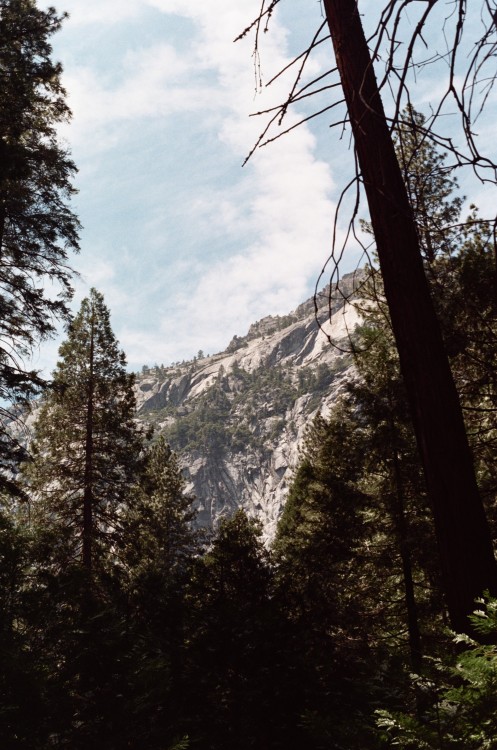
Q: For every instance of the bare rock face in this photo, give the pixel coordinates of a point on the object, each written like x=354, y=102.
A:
x=237, y=418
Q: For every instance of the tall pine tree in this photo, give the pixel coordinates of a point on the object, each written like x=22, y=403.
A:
x=160, y=520
x=155, y=561
x=37, y=227
x=466, y=552
x=87, y=446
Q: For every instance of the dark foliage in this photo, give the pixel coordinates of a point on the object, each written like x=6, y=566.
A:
x=37, y=228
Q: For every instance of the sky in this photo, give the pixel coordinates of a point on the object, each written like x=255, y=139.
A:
x=188, y=246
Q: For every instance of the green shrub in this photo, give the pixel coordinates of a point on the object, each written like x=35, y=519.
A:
x=461, y=693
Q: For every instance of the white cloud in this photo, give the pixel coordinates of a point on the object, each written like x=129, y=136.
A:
x=88, y=12
x=277, y=213
x=270, y=274
x=98, y=271
x=153, y=83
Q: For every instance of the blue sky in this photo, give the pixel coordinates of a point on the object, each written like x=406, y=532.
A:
x=187, y=247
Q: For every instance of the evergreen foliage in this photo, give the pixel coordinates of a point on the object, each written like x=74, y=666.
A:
x=242, y=685
x=37, y=228
x=464, y=299
x=464, y=539
x=466, y=284
x=22, y=704
x=430, y=186
x=86, y=448
x=462, y=711
x=367, y=446
x=160, y=538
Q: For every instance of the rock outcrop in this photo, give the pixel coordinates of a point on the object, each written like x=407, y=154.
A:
x=237, y=418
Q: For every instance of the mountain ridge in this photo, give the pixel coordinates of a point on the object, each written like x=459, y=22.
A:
x=237, y=418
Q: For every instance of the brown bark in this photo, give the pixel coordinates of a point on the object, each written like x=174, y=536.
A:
x=468, y=563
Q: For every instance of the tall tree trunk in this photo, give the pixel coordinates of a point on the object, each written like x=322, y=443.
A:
x=2, y=227
x=468, y=563
x=400, y=524
x=88, y=476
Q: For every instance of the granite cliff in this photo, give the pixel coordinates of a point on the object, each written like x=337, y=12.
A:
x=237, y=418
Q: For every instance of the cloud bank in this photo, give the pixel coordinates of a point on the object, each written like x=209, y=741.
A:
x=188, y=247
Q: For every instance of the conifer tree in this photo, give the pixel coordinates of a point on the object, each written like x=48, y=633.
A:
x=154, y=560
x=37, y=227
x=161, y=538
x=22, y=678
x=240, y=681
x=459, y=264
x=430, y=186
x=87, y=446
x=331, y=582
x=468, y=308
x=464, y=540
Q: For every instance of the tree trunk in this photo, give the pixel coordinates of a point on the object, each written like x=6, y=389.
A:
x=88, y=476
x=468, y=564
x=400, y=524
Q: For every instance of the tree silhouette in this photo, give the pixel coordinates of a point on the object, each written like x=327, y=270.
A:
x=466, y=554
x=37, y=228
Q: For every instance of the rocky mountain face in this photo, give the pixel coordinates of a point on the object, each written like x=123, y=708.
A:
x=237, y=418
